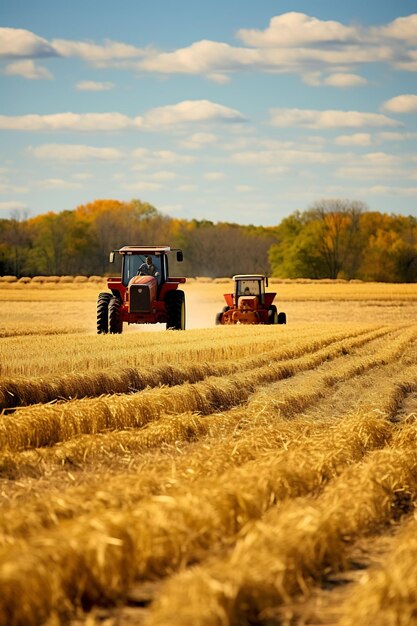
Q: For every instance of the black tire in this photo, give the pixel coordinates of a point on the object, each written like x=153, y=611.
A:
x=103, y=312
x=272, y=315
x=175, y=307
x=115, y=321
x=219, y=318
x=225, y=308
x=282, y=318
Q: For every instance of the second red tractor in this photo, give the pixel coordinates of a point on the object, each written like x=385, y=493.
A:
x=250, y=303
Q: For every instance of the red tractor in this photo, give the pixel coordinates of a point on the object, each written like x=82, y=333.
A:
x=250, y=304
x=144, y=293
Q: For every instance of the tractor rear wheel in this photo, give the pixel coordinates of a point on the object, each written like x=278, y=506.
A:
x=103, y=312
x=272, y=315
x=282, y=318
x=115, y=319
x=219, y=318
x=175, y=307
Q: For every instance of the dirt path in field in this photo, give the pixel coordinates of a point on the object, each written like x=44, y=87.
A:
x=323, y=606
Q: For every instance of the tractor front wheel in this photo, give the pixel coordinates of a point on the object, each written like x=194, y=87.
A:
x=115, y=319
x=282, y=318
x=103, y=312
x=175, y=307
x=272, y=315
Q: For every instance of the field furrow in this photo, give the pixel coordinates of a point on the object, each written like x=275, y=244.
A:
x=46, y=425
x=387, y=594
x=16, y=392
x=176, y=467
x=185, y=427
x=308, y=538
x=156, y=535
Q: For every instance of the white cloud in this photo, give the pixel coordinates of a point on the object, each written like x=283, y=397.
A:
x=338, y=79
x=163, y=175
x=6, y=187
x=190, y=111
x=17, y=42
x=357, y=139
x=144, y=186
x=342, y=79
x=406, y=103
x=147, y=158
x=12, y=205
x=57, y=183
x=82, y=176
x=272, y=157
x=69, y=122
x=91, y=85
x=187, y=188
x=214, y=176
x=216, y=59
x=202, y=57
x=75, y=152
x=244, y=188
x=392, y=191
x=310, y=118
x=374, y=166
x=402, y=29
x=95, y=53
x=27, y=69
x=199, y=140
x=292, y=42
x=277, y=170
x=297, y=29
x=379, y=158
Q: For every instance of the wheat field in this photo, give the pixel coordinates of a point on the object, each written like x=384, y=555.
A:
x=221, y=476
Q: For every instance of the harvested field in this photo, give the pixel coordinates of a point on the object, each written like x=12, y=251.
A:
x=217, y=476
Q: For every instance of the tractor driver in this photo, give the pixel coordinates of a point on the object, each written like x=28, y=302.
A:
x=147, y=268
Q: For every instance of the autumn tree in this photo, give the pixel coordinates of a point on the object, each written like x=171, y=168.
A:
x=14, y=242
x=322, y=242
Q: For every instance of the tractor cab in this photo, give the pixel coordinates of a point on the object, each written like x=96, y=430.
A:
x=151, y=261
x=252, y=285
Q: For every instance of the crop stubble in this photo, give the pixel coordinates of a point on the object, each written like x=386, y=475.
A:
x=236, y=488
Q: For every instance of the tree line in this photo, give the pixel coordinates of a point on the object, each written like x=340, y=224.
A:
x=332, y=239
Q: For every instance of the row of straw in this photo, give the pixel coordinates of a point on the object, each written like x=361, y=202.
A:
x=47, y=425
x=99, y=555
x=232, y=440
x=292, y=547
x=23, y=391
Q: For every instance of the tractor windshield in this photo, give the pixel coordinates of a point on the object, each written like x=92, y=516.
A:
x=248, y=287
x=145, y=264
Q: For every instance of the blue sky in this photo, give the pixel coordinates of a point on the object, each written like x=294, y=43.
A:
x=228, y=111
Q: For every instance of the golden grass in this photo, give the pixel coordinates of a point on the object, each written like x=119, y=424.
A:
x=143, y=350
x=241, y=472
x=41, y=308
x=45, y=425
x=307, y=537
x=112, y=548
x=172, y=363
